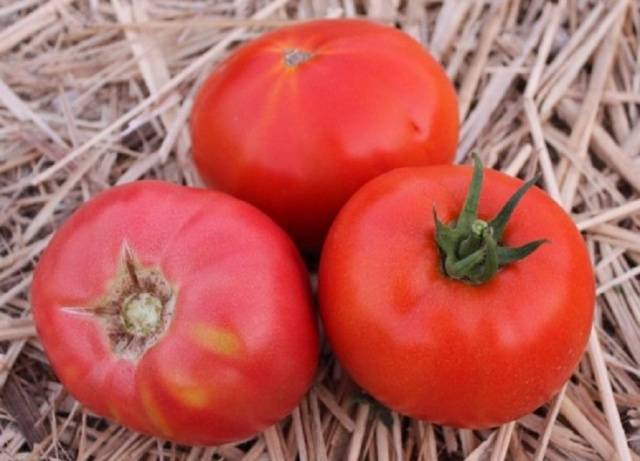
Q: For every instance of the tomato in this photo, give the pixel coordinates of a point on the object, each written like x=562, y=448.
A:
x=427, y=325
x=297, y=120
x=177, y=312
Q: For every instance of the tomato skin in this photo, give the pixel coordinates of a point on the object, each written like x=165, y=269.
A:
x=298, y=141
x=438, y=349
x=241, y=348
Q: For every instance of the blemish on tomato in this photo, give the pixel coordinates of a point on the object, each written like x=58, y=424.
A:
x=185, y=390
x=154, y=413
x=113, y=412
x=192, y=397
x=216, y=339
x=416, y=128
x=71, y=373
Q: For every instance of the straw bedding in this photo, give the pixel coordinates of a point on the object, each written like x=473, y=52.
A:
x=95, y=93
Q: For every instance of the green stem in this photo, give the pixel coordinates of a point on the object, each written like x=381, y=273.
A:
x=471, y=248
x=471, y=243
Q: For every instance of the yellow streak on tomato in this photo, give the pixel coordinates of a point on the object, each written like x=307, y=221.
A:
x=185, y=390
x=70, y=373
x=215, y=339
x=193, y=397
x=114, y=412
x=154, y=413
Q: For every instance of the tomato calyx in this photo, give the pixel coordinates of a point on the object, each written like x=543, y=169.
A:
x=293, y=57
x=471, y=248
x=137, y=308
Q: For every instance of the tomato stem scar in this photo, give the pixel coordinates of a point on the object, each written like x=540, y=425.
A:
x=471, y=248
x=141, y=314
x=293, y=57
x=136, y=308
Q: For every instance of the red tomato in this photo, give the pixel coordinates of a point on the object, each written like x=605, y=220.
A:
x=442, y=349
x=297, y=120
x=177, y=312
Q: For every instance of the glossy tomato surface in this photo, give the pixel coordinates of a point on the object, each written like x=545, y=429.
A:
x=237, y=344
x=297, y=120
x=440, y=349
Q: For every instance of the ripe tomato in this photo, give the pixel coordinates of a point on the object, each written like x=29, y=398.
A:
x=297, y=120
x=177, y=312
x=463, y=351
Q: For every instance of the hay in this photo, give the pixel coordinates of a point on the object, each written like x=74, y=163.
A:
x=95, y=93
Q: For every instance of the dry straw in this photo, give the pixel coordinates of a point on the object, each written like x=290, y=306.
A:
x=97, y=92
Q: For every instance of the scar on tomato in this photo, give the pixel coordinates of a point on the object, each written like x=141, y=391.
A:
x=137, y=308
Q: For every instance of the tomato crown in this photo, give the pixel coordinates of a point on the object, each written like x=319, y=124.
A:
x=137, y=307
x=293, y=57
x=471, y=247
